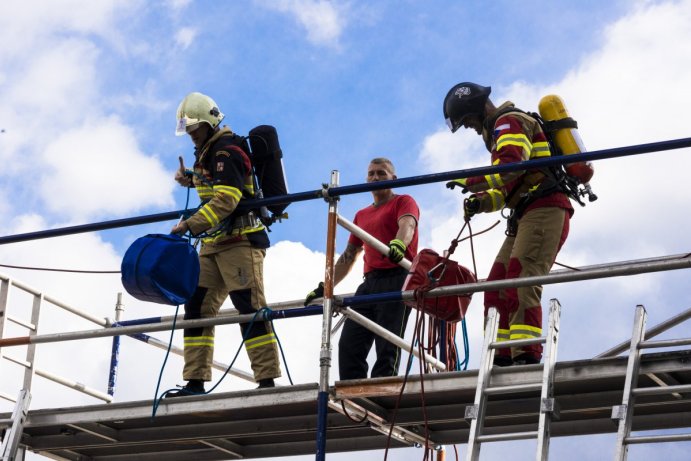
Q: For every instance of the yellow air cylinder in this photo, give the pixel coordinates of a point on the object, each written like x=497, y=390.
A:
x=568, y=140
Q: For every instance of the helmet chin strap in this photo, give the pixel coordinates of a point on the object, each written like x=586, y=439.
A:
x=488, y=120
x=486, y=123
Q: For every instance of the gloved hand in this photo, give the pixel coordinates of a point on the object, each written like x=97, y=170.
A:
x=396, y=250
x=458, y=182
x=471, y=206
x=182, y=175
x=314, y=294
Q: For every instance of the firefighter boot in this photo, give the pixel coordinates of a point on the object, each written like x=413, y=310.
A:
x=525, y=359
x=502, y=361
x=268, y=382
x=193, y=387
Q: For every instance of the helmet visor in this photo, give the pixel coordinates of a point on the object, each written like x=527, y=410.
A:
x=453, y=125
x=186, y=125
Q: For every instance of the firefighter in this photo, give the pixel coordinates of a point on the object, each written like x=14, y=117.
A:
x=539, y=210
x=234, y=244
x=391, y=218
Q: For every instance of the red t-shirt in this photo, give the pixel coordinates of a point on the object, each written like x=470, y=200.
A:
x=382, y=223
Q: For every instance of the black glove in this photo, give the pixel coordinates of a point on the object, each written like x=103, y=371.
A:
x=396, y=250
x=314, y=294
x=458, y=182
x=471, y=206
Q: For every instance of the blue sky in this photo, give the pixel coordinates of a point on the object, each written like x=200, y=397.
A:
x=90, y=89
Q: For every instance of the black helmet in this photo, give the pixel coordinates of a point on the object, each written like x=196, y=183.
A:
x=462, y=100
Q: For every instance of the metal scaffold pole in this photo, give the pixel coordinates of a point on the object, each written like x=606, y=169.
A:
x=367, y=187
x=115, y=350
x=325, y=352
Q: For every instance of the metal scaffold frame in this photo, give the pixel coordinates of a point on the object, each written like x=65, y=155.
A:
x=118, y=426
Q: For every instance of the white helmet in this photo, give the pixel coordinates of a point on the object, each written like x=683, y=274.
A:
x=195, y=109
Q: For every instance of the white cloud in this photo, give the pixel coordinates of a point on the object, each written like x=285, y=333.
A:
x=445, y=151
x=37, y=21
x=178, y=5
x=185, y=36
x=64, y=73
x=90, y=168
x=94, y=294
x=324, y=21
x=292, y=270
x=54, y=114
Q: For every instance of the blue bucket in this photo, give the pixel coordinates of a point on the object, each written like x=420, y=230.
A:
x=161, y=268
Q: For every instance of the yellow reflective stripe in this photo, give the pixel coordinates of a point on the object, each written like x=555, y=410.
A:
x=525, y=332
x=234, y=192
x=200, y=341
x=209, y=214
x=233, y=233
x=502, y=335
x=494, y=180
x=249, y=230
x=497, y=199
x=540, y=149
x=209, y=240
x=260, y=341
x=515, y=139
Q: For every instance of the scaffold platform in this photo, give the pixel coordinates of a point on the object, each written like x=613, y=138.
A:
x=607, y=394
x=282, y=421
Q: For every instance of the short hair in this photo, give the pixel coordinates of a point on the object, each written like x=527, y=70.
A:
x=384, y=161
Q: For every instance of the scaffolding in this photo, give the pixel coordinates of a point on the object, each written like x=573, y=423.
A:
x=638, y=392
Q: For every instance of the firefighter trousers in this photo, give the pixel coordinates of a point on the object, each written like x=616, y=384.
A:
x=541, y=234
x=238, y=272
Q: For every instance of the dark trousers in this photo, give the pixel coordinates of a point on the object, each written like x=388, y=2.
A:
x=356, y=341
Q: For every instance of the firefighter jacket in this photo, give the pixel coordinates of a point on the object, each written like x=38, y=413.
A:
x=223, y=177
x=513, y=136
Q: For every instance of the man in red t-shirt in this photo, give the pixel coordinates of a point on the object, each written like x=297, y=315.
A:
x=391, y=218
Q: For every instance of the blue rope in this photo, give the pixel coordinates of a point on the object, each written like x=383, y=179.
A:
x=157, y=401
x=466, y=347
x=225, y=373
x=280, y=347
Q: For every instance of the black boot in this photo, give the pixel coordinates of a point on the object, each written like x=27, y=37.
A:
x=502, y=361
x=267, y=382
x=193, y=387
x=526, y=359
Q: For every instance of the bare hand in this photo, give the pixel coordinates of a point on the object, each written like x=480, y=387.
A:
x=182, y=177
x=180, y=228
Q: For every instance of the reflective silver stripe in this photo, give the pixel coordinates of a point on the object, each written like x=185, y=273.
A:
x=248, y=220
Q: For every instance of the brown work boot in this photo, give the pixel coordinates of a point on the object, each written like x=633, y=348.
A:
x=193, y=387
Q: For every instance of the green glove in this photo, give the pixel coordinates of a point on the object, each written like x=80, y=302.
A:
x=458, y=182
x=314, y=294
x=471, y=206
x=396, y=250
